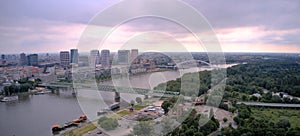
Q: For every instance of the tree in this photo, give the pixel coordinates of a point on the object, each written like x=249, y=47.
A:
x=211, y=113
x=276, y=99
x=294, y=132
x=138, y=100
x=143, y=129
x=224, y=106
x=295, y=100
x=244, y=98
x=165, y=105
x=254, y=98
x=225, y=119
x=132, y=102
x=108, y=123
x=286, y=100
x=283, y=123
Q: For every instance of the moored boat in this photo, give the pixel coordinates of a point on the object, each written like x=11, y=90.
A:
x=70, y=124
x=11, y=98
x=83, y=117
x=57, y=127
x=39, y=93
x=114, y=106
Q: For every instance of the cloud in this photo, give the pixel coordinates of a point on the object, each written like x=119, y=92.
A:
x=48, y=36
x=273, y=14
x=51, y=26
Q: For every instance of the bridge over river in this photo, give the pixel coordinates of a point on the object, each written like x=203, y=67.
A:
x=110, y=88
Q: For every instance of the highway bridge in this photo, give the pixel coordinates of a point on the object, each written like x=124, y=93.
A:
x=110, y=88
x=272, y=105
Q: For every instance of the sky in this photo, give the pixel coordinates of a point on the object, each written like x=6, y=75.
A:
x=35, y=26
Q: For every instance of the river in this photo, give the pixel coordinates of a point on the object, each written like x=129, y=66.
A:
x=35, y=114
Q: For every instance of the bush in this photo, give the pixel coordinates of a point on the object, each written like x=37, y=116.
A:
x=138, y=100
x=108, y=123
x=225, y=119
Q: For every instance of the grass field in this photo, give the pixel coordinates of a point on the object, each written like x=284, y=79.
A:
x=274, y=115
x=124, y=112
x=80, y=131
x=88, y=127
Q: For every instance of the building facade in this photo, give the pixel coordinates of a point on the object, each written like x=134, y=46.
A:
x=64, y=59
x=134, y=55
x=83, y=61
x=123, y=56
x=105, y=58
x=74, y=56
x=23, y=59
x=32, y=60
x=94, y=58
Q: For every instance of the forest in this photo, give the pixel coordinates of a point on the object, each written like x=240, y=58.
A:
x=276, y=75
x=273, y=75
x=252, y=122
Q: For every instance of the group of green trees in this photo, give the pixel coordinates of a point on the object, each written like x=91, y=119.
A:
x=278, y=75
x=23, y=86
x=189, y=84
x=108, y=123
x=248, y=125
x=102, y=77
x=273, y=75
x=193, y=125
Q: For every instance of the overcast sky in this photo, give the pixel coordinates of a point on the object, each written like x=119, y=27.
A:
x=241, y=26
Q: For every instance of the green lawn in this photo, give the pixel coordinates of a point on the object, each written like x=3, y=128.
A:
x=80, y=130
x=126, y=111
x=274, y=115
x=123, y=112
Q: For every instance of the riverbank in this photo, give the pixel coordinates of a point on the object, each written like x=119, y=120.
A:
x=80, y=130
x=32, y=92
x=91, y=127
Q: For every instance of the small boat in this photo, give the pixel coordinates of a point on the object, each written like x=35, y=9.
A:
x=39, y=93
x=83, y=117
x=101, y=112
x=114, y=106
x=57, y=127
x=78, y=120
x=70, y=124
x=11, y=98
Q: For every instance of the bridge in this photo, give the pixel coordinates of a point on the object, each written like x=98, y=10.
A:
x=272, y=105
x=191, y=62
x=110, y=88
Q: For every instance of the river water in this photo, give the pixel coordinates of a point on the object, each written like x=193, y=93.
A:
x=35, y=114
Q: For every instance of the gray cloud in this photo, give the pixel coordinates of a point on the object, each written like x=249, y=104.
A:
x=35, y=16
x=273, y=14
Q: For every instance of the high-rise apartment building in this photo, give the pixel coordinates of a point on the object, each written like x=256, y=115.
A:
x=64, y=59
x=32, y=60
x=123, y=56
x=74, y=56
x=105, y=58
x=83, y=61
x=94, y=57
x=3, y=57
x=23, y=59
x=134, y=55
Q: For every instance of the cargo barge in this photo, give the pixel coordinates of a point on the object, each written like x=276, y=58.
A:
x=75, y=122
